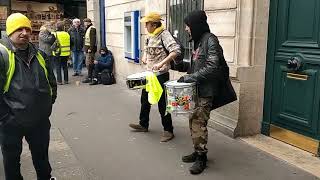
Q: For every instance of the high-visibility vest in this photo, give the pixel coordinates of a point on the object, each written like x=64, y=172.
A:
x=64, y=41
x=12, y=64
x=87, y=36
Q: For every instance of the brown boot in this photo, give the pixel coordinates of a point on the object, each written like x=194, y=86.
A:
x=138, y=128
x=166, y=136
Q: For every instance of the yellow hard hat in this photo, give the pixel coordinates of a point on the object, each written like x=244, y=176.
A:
x=16, y=21
x=151, y=17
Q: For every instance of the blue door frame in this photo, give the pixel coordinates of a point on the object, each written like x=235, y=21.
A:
x=102, y=23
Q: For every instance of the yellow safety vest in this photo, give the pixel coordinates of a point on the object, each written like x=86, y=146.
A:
x=12, y=64
x=64, y=41
x=87, y=36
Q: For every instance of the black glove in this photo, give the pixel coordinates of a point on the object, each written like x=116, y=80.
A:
x=188, y=79
x=181, y=79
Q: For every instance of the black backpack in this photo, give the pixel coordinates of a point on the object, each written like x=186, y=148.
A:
x=106, y=77
x=177, y=63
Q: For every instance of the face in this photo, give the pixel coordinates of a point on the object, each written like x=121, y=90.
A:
x=102, y=52
x=188, y=30
x=86, y=24
x=76, y=23
x=150, y=27
x=21, y=36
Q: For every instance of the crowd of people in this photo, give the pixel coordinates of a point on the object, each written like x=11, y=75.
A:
x=79, y=43
x=30, y=86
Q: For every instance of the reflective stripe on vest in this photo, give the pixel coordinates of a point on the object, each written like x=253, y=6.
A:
x=12, y=64
x=87, y=36
x=64, y=41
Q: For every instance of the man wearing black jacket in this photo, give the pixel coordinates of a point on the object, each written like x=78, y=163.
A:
x=27, y=92
x=210, y=72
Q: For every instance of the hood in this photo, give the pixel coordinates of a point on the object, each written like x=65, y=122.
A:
x=197, y=22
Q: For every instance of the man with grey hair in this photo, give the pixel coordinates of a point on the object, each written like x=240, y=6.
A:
x=76, y=33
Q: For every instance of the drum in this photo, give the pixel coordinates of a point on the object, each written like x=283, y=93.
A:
x=181, y=98
x=137, y=80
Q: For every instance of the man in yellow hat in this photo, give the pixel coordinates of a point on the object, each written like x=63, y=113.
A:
x=160, y=49
x=28, y=91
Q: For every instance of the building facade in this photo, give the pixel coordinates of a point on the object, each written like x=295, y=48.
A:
x=259, y=37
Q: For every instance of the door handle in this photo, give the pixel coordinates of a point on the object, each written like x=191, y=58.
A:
x=294, y=63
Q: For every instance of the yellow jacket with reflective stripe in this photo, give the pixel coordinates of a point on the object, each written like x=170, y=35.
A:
x=64, y=41
x=87, y=36
x=11, y=68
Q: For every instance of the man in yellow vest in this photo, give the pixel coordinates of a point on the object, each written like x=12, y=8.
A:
x=27, y=92
x=90, y=47
x=62, y=52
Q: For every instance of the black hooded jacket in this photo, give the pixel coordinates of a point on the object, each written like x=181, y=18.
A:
x=28, y=101
x=208, y=66
x=197, y=22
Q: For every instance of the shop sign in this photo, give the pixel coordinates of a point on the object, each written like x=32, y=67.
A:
x=3, y=17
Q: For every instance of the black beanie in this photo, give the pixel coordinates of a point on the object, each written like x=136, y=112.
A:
x=197, y=22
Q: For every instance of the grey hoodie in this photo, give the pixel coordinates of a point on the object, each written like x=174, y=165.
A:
x=46, y=39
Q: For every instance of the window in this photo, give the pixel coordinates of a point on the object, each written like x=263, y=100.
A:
x=178, y=10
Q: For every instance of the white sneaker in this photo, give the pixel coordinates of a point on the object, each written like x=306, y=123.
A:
x=53, y=178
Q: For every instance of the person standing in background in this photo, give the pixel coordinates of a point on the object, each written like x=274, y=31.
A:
x=46, y=39
x=76, y=33
x=90, y=47
x=62, y=54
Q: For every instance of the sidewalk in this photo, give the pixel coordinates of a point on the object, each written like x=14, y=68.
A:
x=64, y=163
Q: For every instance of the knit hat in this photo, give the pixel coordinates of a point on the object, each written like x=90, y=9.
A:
x=16, y=21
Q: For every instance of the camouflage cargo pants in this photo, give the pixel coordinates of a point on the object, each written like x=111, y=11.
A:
x=198, y=121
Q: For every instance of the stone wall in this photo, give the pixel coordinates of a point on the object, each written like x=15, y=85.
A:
x=241, y=26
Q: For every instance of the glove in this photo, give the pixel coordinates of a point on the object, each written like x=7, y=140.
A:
x=181, y=79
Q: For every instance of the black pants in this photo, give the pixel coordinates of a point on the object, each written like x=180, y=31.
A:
x=11, y=145
x=97, y=68
x=62, y=63
x=146, y=106
x=90, y=70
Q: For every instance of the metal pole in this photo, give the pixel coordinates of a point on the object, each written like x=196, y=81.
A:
x=102, y=23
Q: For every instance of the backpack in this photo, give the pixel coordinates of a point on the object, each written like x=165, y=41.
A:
x=106, y=77
x=177, y=63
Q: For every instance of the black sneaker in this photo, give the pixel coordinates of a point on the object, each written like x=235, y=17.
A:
x=75, y=74
x=94, y=82
x=88, y=80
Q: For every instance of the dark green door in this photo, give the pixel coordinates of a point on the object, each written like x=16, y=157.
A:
x=293, y=62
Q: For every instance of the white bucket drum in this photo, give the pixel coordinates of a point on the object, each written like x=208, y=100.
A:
x=181, y=97
x=137, y=80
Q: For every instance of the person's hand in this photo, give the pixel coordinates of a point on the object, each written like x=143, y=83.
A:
x=181, y=79
x=144, y=60
x=89, y=50
x=186, y=79
x=157, y=66
x=95, y=62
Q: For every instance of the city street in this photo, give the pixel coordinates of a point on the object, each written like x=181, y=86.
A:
x=92, y=140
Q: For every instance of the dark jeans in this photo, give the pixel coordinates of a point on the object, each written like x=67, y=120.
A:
x=62, y=63
x=146, y=106
x=11, y=145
